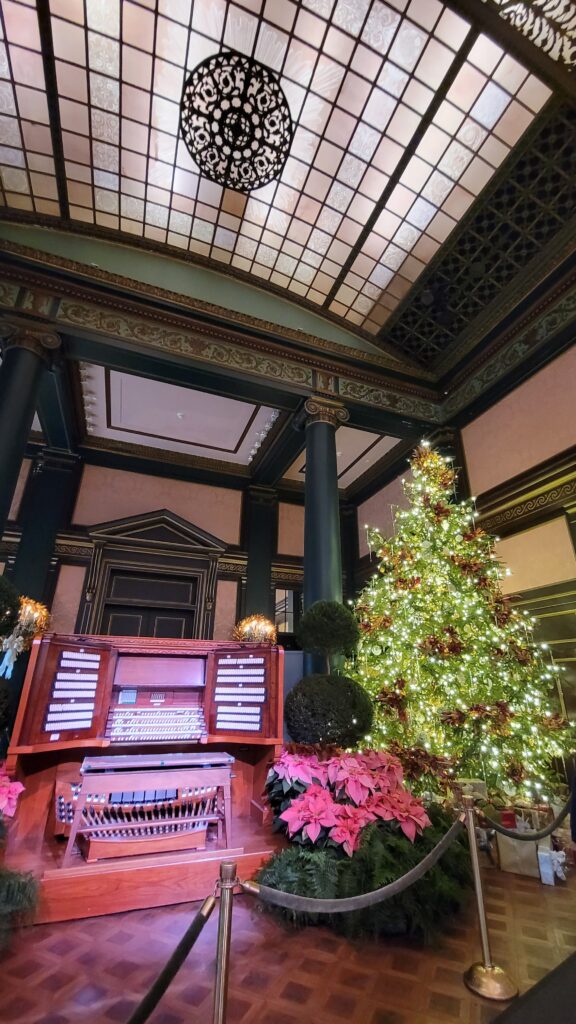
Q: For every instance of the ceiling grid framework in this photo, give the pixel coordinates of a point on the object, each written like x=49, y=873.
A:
x=361, y=78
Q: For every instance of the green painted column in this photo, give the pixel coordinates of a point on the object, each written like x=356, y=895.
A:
x=322, y=552
x=261, y=525
x=322, y=547
x=350, y=548
x=47, y=506
x=26, y=353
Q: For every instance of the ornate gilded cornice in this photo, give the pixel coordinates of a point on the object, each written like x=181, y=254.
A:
x=287, y=573
x=171, y=333
x=530, y=338
x=376, y=358
x=325, y=410
x=76, y=549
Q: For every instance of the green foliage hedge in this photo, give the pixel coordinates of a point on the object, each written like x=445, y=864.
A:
x=384, y=855
x=328, y=709
x=9, y=606
x=18, y=896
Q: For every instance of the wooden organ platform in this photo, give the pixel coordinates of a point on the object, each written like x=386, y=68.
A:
x=144, y=763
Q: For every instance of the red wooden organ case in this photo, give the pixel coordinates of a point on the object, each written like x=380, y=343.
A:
x=144, y=763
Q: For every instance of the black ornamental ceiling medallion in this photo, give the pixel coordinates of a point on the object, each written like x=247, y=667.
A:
x=236, y=122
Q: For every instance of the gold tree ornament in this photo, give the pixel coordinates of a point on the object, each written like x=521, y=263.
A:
x=255, y=629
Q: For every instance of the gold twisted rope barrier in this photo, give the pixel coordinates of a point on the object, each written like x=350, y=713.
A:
x=485, y=977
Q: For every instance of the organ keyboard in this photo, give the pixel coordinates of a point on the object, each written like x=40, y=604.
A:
x=133, y=805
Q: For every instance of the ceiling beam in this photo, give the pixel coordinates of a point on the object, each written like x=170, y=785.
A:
x=277, y=457
x=163, y=368
x=56, y=409
x=47, y=46
x=168, y=369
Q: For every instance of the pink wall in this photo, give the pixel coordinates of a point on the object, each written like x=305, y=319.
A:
x=67, y=596
x=534, y=422
x=290, y=529
x=19, y=489
x=107, y=494
x=378, y=511
x=225, y=613
x=538, y=557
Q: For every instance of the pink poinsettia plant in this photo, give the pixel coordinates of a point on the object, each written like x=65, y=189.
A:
x=329, y=802
x=9, y=793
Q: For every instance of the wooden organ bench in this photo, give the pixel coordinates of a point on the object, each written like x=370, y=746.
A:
x=125, y=746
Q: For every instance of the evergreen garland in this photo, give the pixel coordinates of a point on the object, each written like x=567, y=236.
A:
x=384, y=856
x=18, y=896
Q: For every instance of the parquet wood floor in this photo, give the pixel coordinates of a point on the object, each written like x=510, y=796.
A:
x=96, y=970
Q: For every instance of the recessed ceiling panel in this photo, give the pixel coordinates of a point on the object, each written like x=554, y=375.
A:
x=356, y=452
x=141, y=411
x=402, y=112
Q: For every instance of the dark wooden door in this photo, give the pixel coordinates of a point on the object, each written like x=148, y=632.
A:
x=150, y=604
x=171, y=623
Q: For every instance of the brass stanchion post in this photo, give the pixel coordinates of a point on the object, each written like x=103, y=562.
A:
x=486, y=978
x=226, y=884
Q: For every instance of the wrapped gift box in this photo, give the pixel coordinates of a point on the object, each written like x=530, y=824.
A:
x=519, y=857
x=551, y=863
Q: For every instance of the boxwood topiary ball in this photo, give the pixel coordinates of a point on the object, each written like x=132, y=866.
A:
x=328, y=709
x=328, y=627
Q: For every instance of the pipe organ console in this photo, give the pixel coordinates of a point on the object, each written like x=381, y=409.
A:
x=132, y=742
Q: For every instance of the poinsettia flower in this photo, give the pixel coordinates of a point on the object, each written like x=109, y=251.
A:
x=9, y=793
x=347, y=774
x=385, y=766
x=299, y=768
x=311, y=811
x=409, y=813
x=351, y=821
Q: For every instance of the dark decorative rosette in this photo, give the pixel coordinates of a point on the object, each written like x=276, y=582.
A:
x=236, y=122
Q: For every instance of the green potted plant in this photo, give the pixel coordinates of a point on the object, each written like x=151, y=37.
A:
x=328, y=708
x=18, y=891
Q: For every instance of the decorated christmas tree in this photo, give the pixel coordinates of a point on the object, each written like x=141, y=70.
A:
x=461, y=689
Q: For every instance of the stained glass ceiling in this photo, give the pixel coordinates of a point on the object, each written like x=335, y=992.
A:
x=403, y=113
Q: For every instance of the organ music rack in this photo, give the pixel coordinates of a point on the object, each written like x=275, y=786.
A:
x=95, y=691
x=151, y=701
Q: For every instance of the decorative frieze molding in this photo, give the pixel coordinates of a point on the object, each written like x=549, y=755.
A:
x=531, y=497
x=534, y=334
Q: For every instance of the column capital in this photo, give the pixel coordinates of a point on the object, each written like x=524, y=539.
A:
x=325, y=410
x=42, y=342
